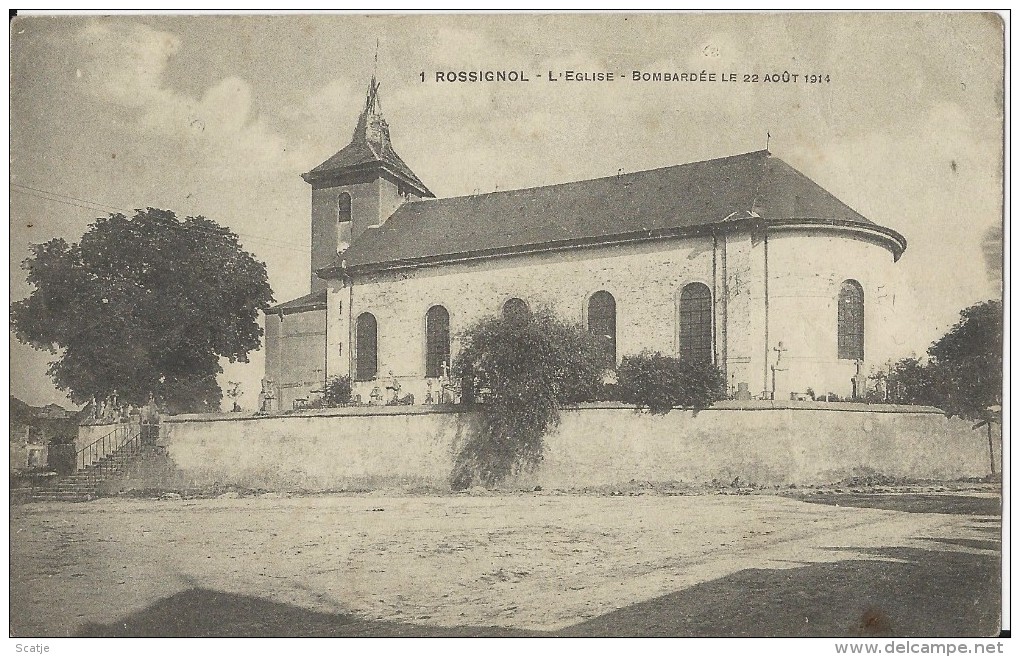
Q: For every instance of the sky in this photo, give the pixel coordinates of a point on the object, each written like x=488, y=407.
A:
x=219, y=116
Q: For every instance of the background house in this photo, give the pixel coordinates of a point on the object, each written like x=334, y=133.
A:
x=33, y=429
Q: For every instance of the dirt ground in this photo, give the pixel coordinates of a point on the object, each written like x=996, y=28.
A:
x=709, y=565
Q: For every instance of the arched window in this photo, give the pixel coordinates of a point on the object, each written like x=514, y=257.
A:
x=437, y=341
x=602, y=323
x=850, y=321
x=367, y=356
x=516, y=309
x=343, y=207
x=696, y=323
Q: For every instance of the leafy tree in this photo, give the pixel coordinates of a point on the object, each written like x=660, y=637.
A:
x=661, y=383
x=912, y=381
x=968, y=362
x=144, y=305
x=521, y=369
x=963, y=375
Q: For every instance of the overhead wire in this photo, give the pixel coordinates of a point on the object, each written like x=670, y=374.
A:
x=74, y=198
x=95, y=205
x=66, y=199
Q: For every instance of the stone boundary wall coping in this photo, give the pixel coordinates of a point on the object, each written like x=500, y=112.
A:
x=113, y=423
x=727, y=405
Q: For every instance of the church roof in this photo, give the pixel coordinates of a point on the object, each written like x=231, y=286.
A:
x=676, y=200
x=370, y=148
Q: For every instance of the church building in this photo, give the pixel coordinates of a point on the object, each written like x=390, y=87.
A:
x=741, y=261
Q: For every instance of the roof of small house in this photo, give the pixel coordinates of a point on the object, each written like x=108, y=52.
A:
x=313, y=301
x=659, y=202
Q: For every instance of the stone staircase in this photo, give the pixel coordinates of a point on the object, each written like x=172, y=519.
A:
x=83, y=484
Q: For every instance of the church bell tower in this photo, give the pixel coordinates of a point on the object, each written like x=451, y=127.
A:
x=358, y=188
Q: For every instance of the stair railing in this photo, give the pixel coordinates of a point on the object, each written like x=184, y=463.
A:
x=102, y=447
x=102, y=467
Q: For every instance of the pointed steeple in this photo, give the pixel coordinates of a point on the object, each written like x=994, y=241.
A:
x=370, y=149
x=372, y=127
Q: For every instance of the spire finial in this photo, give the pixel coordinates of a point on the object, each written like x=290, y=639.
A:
x=375, y=69
x=371, y=124
x=372, y=103
x=768, y=138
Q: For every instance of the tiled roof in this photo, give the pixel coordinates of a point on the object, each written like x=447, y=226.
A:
x=361, y=153
x=589, y=211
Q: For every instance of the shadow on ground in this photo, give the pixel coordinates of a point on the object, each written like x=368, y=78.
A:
x=969, y=505
x=921, y=593
x=896, y=592
x=975, y=544
x=202, y=612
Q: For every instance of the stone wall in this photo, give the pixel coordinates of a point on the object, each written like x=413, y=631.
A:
x=316, y=450
x=789, y=443
x=759, y=443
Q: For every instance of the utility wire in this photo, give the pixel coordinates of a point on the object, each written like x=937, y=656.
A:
x=73, y=198
x=66, y=199
x=56, y=200
x=98, y=205
x=283, y=245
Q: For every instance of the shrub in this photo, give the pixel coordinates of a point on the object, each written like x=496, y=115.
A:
x=610, y=392
x=337, y=392
x=661, y=383
x=521, y=369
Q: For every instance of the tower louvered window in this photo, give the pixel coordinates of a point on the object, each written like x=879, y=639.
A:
x=343, y=207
